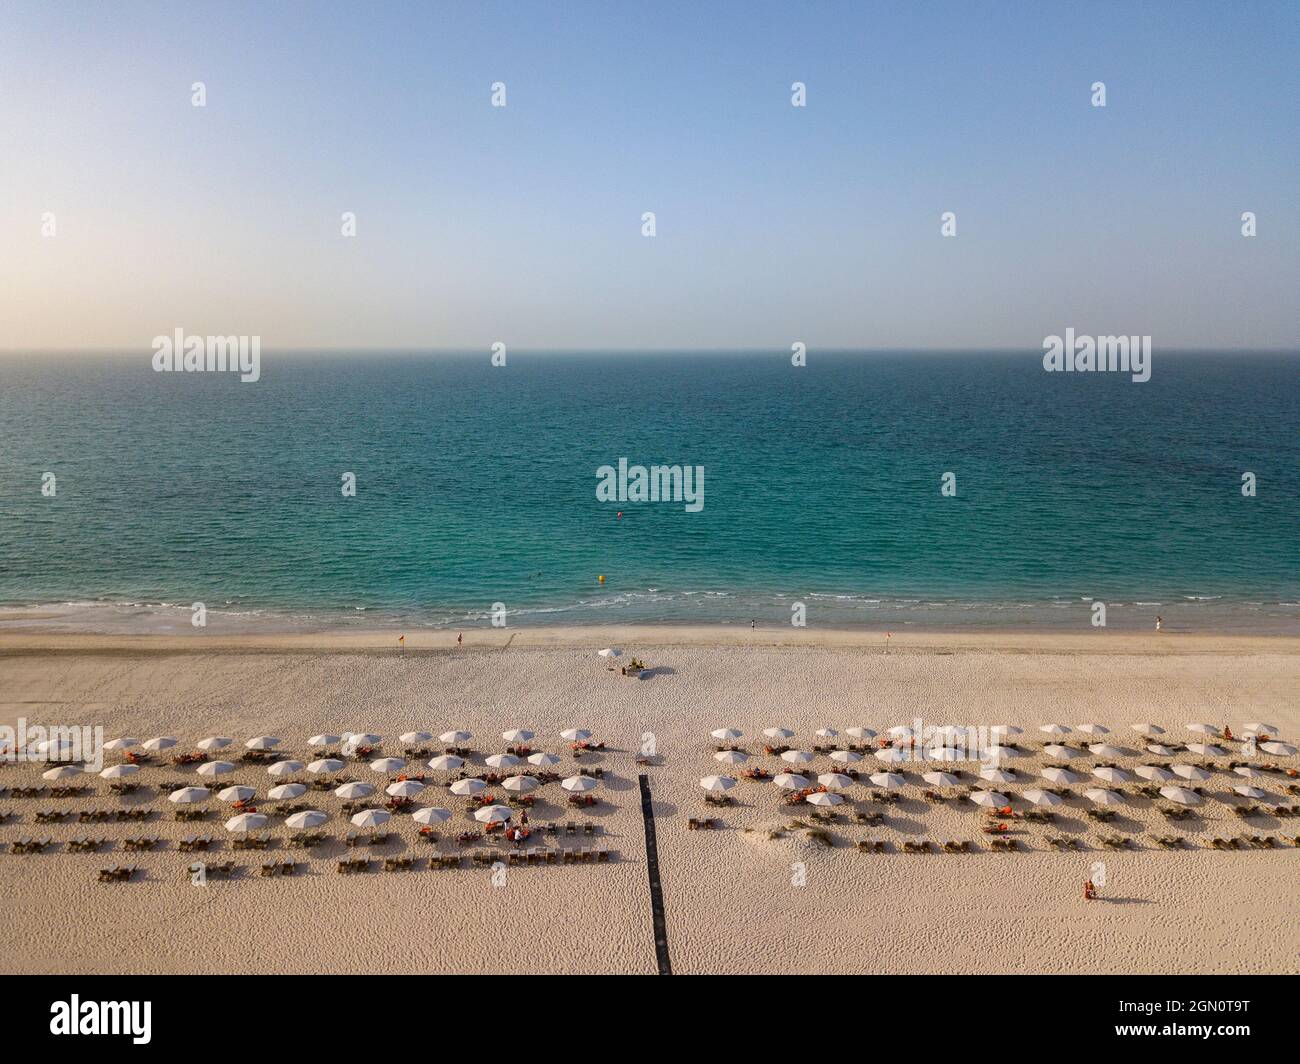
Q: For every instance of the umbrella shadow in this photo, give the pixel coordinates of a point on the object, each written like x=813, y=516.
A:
x=658, y=670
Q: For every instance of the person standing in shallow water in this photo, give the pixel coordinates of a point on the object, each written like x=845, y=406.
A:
x=1160, y=622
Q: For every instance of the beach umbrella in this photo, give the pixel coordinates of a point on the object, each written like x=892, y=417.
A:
x=502, y=760
x=352, y=791
x=216, y=768
x=455, y=738
x=121, y=744
x=431, y=815
x=308, y=818
x=1147, y=729
x=236, y=794
x=998, y=775
x=1191, y=772
x=860, y=733
x=778, y=733
x=791, y=781
x=521, y=784
x=494, y=814
x=717, y=783
x=610, y=652
x=415, y=738
x=214, y=742
x=262, y=742
x=1040, y=797
x=371, y=818
x=163, y=742
x=1103, y=797
x=726, y=734
x=1105, y=750
x=246, y=822
x=890, y=781
x=837, y=781
x=1066, y=752
x=1111, y=775
x=285, y=768
x=1159, y=749
x=990, y=798
x=1092, y=729
x=115, y=772
x=824, y=798
x=1059, y=776
x=579, y=784
x=899, y=731
x=359, y=739
x=1054, y=729
x=1181, y=795
x=450, y=762
x=731, y=757
x=543, y=759
x=1203, y=729
x=63, y=772
x=939, y=753
x=325, y=740
x=1278, y=749
x=1256, y=728
x=463, y=787
x=845, y=757
x=1249, y=792
x=1207, y=749
x=1154, y=772
x=797, y=757
x=517, y=735
x=826, y=733
x=287, y=791
x=387, y=765
x=575, y=735
x=325, y=764
x=405, y=788
x=892, y=755
x=1249, y=771
x=941, y=779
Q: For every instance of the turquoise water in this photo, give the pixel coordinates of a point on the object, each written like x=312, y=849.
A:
x=476, y=484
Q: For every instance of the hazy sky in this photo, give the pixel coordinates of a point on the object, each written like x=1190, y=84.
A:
x=523, y=224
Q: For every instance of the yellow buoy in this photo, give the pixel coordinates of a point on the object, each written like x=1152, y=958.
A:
x=601, y=578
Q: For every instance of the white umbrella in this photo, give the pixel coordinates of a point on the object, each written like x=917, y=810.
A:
x=371, y=818
x=415, y=738
x=53, y=749
x=521, y=784
x=308, y=818
x=1147, y=729
x=214, y=742
x=791, y=781
x=262, y=742
x=890, y=781
x=431, y=815
x=517, y=735
x=941, y=779
x=860, y=733
x=940, y=753
x=998, y=775
x=124, y=743
x=1278, y=749
x=1256, y=728
x=1249, y=771
x=610, y=652
x=778, y=733
x=1207, y=749
x=1160, y=750
x=1041, y=797
x=490, y=814
x=1249, y=792
x=1067, y=752
x=845, y=757
x=1054, y=729
x=1105, y=750
x=826, y=733
x=216, y=768
x=61, y=773
x=163, y=742
x=579, y=784
x=797, y=757
x=387, y=765
x=1092, y=729
x=1103, y=797
x=502, y=760
x=450, y=762
x=1181, y=795
x=990, y=798
x=824, y=798
x=236, y=794
x=1154, y=772
x=542, y=758
x=1204, y=729
x=717, y=783
x=455, y=738
x=899, y=731
x=891, y=755
x=286, y=791
x=1191, y=772
x=731, y=757
x=114, y=772
x=1111, y=775
x=189, y=795
x=246, y=822
x=463, y=787
x=325, y=764
x=405, y=788
x=285, y=768
x=575, y=735
x=324, y=740
x=837, y=781
x=351, y=791
x=1059, y=776
x=359, y=739
x=726, y=734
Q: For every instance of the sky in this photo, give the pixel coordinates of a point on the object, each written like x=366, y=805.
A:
x=774, y=224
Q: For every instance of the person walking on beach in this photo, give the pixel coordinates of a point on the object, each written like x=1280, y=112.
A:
x=459, y=639
x=1160, y=622
x=1089, y=891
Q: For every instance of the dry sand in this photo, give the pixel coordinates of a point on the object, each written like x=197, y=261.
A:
x=730, y=902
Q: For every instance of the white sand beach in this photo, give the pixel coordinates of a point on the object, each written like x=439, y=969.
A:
x=730, y=896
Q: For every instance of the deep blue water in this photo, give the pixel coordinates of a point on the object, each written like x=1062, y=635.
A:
x=476, y=484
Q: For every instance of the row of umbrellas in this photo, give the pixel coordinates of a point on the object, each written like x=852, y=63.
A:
x=355, y=739
x=903, y=731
